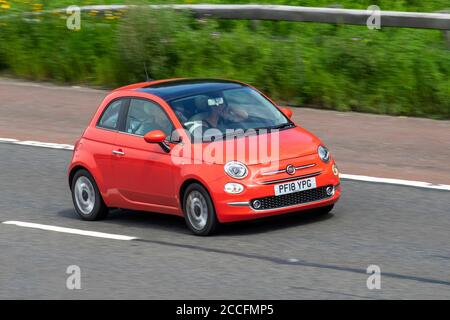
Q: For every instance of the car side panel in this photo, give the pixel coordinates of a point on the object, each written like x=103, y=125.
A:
x=144, y=175
x=94, y=152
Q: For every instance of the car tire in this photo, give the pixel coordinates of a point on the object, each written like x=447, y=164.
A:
x=199, y=210
x=86, y=197
x=325, y=210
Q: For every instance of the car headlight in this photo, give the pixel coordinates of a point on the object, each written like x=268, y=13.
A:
x=236, y=169
x=323, y=153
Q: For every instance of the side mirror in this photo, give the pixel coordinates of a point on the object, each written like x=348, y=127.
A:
x=155, y=136
x=287, y=112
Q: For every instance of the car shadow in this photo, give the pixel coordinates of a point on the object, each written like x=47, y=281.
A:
x=274, y=223
x=138, y=219
x=171, y=223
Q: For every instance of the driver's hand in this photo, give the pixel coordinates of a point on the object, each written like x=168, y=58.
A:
x=235, y=114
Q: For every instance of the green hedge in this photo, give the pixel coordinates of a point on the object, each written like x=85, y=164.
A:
x=392, y=71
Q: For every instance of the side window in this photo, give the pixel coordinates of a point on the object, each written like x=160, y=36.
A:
x=110, y=117
x=144, y=116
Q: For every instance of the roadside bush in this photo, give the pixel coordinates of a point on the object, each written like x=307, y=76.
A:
x=392, y=71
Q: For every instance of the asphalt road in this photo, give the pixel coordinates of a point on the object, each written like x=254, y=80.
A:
x=403, y=230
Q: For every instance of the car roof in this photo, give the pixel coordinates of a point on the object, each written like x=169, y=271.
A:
x=180, y=88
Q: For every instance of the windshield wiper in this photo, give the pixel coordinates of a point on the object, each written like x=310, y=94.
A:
x=282, y=126
x=278, y=126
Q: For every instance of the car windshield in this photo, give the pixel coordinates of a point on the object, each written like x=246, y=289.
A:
x=228, y=111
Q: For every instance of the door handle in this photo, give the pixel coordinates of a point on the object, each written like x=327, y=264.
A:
x=118, y=152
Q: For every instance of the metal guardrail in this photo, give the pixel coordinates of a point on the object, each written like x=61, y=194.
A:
x=438, y=21
x=420, y=20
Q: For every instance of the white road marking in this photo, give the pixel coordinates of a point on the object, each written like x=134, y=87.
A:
x=37, y=144
x=8, y=140
x=70, y=230
x=410, y=183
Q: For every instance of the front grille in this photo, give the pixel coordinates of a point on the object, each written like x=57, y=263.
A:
x=291, y=199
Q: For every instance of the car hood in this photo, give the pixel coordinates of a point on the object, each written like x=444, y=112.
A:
x=259, y=149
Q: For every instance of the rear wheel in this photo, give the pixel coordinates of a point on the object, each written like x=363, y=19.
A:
x=86, y=197
x=199, y=211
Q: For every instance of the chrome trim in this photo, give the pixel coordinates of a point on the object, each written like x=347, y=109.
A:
x=294, y=205
x=239, y=204
x=247, y=203
x=118, y=131
x=131, y=134
x=290, y=169
x=269, y=173
x=106, y=129
x=124, y=132
x=292, y=178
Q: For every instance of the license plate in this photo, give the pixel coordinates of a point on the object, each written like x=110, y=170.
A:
x=294, y=186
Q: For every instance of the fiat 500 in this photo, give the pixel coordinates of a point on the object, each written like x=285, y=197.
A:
x=211, y=151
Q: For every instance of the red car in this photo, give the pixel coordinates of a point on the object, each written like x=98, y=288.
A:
x=213, y=151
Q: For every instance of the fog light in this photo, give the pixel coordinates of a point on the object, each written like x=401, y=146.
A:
x=233, y=188
x=330, y=191
x=256, y=204
x=335, y=170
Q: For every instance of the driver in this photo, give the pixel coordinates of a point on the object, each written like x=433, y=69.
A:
x=216, y=114
x=220, y=114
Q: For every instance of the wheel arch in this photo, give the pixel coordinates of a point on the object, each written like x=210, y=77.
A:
x=73, y=171
x=186, y=184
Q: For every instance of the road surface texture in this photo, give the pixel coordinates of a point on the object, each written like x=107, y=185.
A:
x=362, y=144
x=403, y=230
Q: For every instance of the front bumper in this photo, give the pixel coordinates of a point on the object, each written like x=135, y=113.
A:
x=231, y=208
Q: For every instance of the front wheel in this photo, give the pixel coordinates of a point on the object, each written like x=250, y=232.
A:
x=199, y=211
x=86, y=197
